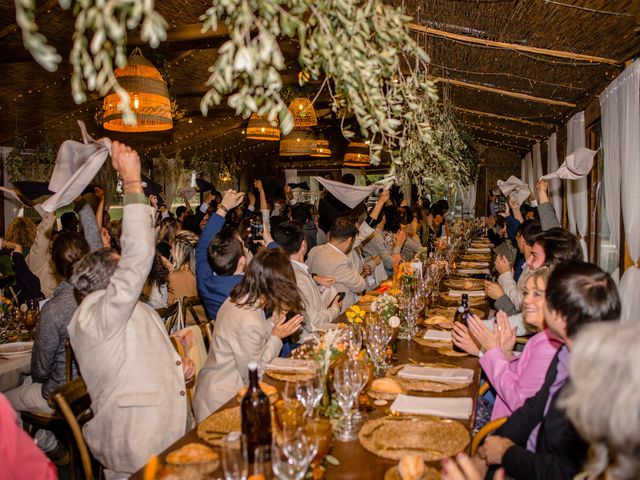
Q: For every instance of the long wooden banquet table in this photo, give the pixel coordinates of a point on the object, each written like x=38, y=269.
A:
x=355, y=461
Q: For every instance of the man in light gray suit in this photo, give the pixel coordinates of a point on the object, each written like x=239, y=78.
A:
x=332, y=259
x=134, y=376
x=291, y=238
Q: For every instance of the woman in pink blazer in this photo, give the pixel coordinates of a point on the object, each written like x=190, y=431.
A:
x=515, y=378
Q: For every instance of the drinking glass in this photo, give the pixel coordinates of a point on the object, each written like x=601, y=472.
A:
x=362, y=368
x=259, y=468
x=346, y=384
x=309, y=393
x=291, y=455
x=235, y=462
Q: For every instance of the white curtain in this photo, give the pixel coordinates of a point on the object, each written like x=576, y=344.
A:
x=527, y=172
x=537, y=164
x=552, y=166
x=621, y=143
x=577, y=190
x=468, y=196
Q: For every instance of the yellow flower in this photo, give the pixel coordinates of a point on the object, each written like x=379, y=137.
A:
x=351, y=315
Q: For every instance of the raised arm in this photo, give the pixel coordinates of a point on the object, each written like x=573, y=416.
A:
x=548, y=217
x=138, y=247
x=39, y=253
x=90, y=227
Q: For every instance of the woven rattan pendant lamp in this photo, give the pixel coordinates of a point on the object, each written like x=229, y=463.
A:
x=259, y=128
x=322, y=147
x=356, y=155
x=298, y=143
x=304, y=115
x=149, y=98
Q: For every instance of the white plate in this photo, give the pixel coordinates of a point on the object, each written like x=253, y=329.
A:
x=10, y=350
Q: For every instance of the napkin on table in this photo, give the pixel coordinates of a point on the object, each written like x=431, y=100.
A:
x=459, y=408
x=449, y=375
x=437, y=335
x=478, y=250
x=474, y=271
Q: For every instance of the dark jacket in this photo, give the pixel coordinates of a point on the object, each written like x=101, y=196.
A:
x=560, y=452
x=214, y=289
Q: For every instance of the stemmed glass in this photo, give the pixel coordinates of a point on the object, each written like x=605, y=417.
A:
x=346, y=382
x=309, y=392
x=378, y=335
x=352, y=338
x=291, y=455
x=362, y=368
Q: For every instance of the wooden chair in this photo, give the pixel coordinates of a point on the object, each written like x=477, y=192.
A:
x=169, y=315
x=189, y=305
x=73, y=403
x=207, y=333
x=189, y=342
x=484, y=431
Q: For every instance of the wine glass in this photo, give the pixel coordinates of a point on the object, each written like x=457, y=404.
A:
x=352, y=338
x=309, y=393
x=346, y=384
x=362, y=368
x=235, y=462
x=291, y=455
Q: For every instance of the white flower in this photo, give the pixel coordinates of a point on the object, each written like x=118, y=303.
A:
x=394, y=322
x=374, y=305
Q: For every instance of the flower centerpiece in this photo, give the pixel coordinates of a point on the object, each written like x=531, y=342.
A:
x=387, y=307
x=355, y=315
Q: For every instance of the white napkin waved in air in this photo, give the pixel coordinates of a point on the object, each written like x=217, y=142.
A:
x=515, y=188
x=77, y=164
x=438, y=335
x=291, y=365
x=459, y=408
x=471, y=293
x=577, y=165
x=449, y=375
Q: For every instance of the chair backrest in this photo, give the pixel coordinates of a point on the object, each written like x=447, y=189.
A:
x=169, y=315
x=195, y=309
x=70, y=361
x=72, y=400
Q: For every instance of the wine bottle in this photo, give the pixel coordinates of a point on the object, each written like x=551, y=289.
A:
x=256, y=414
x=461, y=315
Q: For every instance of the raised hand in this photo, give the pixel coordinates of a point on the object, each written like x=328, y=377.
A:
x=232, y=199
x=126, y=162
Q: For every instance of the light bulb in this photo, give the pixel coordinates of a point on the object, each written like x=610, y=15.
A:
x=262, y=129
x=136, y=102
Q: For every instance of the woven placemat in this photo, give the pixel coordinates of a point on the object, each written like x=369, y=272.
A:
x=288, y=376
x=424, y=385
x=476, y=257
x=429, y=343
x=450, y=312
x=218, y=425
x=448, y=351
x=429, y=438
x=438, y=321
x=429, y=474
x=464, y=283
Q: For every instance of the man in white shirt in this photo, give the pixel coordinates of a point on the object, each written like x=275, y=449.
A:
x=291, y=238
x=332, y=259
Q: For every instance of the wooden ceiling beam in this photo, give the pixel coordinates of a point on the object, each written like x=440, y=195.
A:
x=504, y=117
x=500, y=132
x=507, y=93
x=512, y=46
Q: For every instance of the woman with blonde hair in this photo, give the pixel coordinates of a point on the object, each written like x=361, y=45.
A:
x=514, y=379
x=21, y=231
x=182, y=280
x=603, y=399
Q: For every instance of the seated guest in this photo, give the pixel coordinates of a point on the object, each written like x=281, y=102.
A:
x=155, y=292
x=134, y=376
x=550, y=248
x=514, y=378
x=19, y=456
x=39, y=258
x=409, y=223
x=525, y=238
x=602, y=399
x=291, y=238
x=166, y=236
x=182, y=280
x=538, y=441
x=220, y=256
x=376, y=244
x=435, y=220
x=332, y=259
x=249, y=328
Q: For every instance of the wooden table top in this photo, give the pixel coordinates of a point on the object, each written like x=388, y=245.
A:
x=355, y=461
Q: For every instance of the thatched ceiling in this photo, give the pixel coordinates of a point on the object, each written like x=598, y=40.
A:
x=37, y=105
